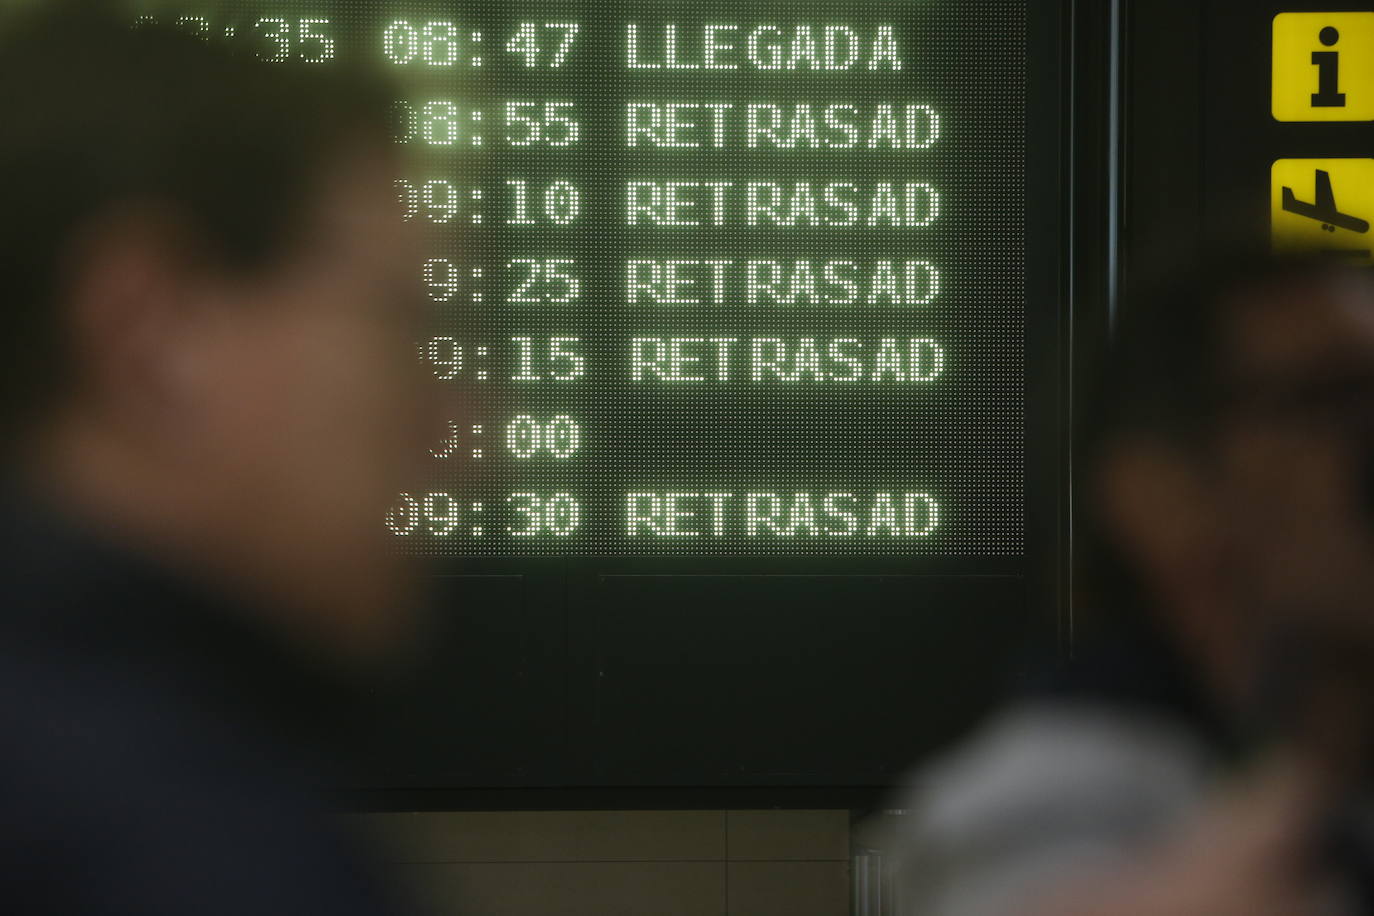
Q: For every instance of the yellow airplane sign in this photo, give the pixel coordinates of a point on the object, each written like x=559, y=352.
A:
x=1323, y=67
x=1323, y=205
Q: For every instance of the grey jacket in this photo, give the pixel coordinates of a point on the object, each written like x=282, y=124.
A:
x=1046, y=792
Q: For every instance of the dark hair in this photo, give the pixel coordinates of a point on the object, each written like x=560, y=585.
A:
x=1168, y=376
x=96, y=113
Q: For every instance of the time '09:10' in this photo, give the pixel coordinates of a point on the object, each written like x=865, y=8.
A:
x=551, y=204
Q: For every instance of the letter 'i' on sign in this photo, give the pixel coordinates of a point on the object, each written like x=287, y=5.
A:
x=1325, y=206
x=1323, y=67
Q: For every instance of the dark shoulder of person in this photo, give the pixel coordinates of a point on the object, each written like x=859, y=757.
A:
x=162, y=754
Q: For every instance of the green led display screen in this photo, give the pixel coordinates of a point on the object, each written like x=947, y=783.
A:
x=710, y=278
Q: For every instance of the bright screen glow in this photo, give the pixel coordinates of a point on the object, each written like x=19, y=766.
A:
x=715, y=278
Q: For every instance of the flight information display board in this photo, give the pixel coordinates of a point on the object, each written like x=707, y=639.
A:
x=755, y=314
x=712, y=279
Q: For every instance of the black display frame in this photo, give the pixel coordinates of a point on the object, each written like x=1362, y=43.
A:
x=560, y=659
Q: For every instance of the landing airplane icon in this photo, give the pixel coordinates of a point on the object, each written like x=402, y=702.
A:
x=1324, y=210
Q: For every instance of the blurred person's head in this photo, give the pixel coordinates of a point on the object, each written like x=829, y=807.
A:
x=1234, y=461
x=211, y=312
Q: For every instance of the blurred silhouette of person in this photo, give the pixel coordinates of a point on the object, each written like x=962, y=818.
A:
x=1206, y=750
x=210, y=399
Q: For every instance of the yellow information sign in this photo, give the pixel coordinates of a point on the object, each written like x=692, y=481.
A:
x=1324, y=67
x=1324, y=205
